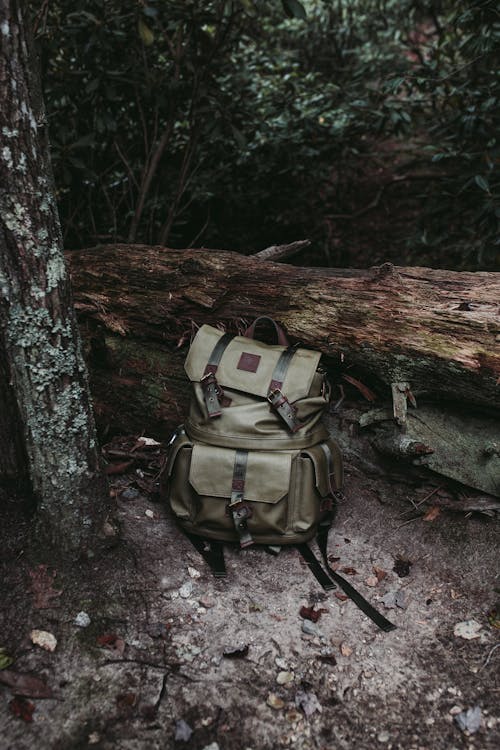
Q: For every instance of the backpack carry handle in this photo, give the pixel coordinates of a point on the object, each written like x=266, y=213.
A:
x=280, y=334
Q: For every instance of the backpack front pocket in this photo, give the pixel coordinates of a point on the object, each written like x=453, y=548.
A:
x=264, y=488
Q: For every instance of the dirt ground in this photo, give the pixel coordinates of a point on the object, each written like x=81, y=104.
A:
x=173, y=658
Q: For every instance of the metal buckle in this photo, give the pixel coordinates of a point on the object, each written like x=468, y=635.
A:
x=275, y=397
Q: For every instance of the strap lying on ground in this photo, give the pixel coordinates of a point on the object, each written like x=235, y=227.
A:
x=382, y=622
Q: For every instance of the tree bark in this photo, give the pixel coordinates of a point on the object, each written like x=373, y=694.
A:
x=437, y=329
x=43, y=381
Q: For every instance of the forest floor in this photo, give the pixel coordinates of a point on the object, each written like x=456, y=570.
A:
x=173, y=658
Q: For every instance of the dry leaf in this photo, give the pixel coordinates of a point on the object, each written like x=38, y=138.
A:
x=25, y=684
x=350, y=571
x=309, y=613
x=345, y=650
x=381, y=574
x=22, y=708
x=341, y=597
x=120, y=468
x=112, y=642
x=432, y=513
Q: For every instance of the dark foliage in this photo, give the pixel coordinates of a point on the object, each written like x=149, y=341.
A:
x=371, y=127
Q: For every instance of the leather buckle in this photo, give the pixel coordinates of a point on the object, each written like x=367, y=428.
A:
x=276, y=397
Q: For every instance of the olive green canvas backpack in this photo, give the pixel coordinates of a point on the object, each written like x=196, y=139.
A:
x=253, y=462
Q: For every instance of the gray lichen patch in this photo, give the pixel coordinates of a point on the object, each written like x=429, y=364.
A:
x=7, y=157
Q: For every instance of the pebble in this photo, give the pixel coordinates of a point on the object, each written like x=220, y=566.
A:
x=149, y=513
x=284, y=678
x=82, y=620
x=193, y=572
x=468, y=629
x=212, y=746
x=275, y=701
x=130, y=494
x=44, y=639
x=186, y=590
x=383, y=736
x=309, y=628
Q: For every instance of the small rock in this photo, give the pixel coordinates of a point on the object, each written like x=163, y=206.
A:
x=186, y=590
x=293, y=716
x=468, y=629
x=193, y=572
x=309, y=628
x=148, y=442
x=44, y=639
x=400, y=599
x=383, y=736
x=275, y=701
x=183, y=731
x=93, y=738
x=212, y=746
x=308, y=702
x=469, y=721
x=281, y=663
x=82, y=620
x=394, y=599
x=371, y=581
x=149, y=513
x=284, y=678
x=454, y=710
x=130, y=493
x=109, y=530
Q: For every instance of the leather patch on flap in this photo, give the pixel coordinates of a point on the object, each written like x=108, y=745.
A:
x=248, y=362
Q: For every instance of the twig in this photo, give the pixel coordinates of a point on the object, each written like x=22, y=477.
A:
x=279, y=252
x=489, y=657
x=417, y=505
x=132, y=661
x=410, y=520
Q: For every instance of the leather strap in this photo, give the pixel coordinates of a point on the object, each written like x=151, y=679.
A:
x=277, y=398
x=281, y=369
x=331, y=469
x=240, y=510
x=212, y=392
x=212, y=552
x=280, y=334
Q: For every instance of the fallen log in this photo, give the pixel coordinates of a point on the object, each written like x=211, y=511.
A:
x=410, y=333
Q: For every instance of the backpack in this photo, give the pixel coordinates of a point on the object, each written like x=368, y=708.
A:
x=253, y=463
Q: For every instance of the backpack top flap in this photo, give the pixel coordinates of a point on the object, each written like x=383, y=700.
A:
x=247, y=365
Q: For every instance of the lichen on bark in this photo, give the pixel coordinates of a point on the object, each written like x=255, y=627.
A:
x=43, y=369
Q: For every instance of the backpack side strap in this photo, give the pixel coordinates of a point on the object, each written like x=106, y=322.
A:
x=212, y=552
x=382, y=622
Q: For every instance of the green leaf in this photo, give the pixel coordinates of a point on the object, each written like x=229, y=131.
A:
x=239, y=137
x=5, y=659
x=294, y=9
x=147, y=36
x=482, y=182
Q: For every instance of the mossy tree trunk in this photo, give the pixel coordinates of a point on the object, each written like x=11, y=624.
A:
x=47, y=433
